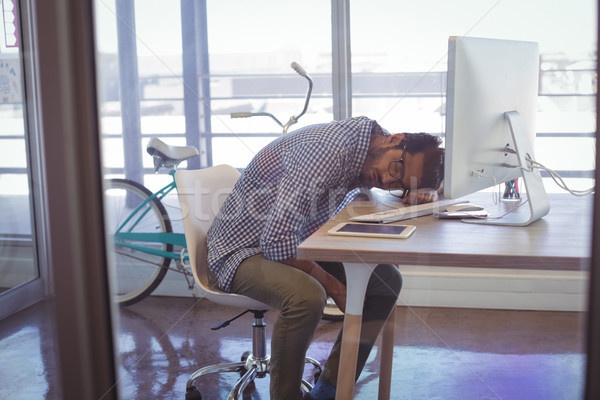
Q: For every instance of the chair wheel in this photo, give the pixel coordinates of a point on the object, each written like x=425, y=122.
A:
x=245, y=356
x=193, y=394
x=243, y=370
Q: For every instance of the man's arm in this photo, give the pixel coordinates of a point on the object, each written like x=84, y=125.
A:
x=334, y=288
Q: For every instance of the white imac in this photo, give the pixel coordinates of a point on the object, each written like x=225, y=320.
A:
x=491, y=105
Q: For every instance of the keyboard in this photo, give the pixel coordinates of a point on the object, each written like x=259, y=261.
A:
x=406, y=212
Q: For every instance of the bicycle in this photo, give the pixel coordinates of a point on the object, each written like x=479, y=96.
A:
x=144, y=243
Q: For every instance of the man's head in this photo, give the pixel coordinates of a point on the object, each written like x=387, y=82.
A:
x=404, y=160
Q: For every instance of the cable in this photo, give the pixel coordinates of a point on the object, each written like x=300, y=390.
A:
x=506, y=213
x=494, y=197
x=480, y=174
x=553, y=174
x=558, y=179
x=496, y=190
x=532, y=165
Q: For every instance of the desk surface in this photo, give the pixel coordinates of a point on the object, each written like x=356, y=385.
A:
x=559, y=241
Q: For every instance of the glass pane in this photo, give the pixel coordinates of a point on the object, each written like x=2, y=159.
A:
x=403, y=65
x=175, y=71
x=399, y=64
x=234, y=72
x=17, y=261
x=238, y=151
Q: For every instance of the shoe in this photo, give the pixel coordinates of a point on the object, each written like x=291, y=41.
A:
x=307, y=396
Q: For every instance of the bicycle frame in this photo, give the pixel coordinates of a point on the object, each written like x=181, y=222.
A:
x=122, y=237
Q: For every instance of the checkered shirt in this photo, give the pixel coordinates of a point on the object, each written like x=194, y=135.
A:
x=290, y=189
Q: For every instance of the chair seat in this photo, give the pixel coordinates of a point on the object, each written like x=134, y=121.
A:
x=233, y=299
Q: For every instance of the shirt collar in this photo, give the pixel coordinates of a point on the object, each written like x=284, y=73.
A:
x=364, y=138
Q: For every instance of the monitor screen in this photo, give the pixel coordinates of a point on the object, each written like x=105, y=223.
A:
x=486, y=79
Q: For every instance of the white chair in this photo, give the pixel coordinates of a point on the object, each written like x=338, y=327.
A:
x=201, y=194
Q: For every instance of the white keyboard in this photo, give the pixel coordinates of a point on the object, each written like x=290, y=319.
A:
x=406, y=212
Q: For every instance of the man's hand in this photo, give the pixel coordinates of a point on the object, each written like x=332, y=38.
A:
x=334, y=288
x=421, y=196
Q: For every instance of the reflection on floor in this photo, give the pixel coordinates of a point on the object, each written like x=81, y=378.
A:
x=440, y=353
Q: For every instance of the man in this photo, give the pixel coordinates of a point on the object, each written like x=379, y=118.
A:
x=290, y=189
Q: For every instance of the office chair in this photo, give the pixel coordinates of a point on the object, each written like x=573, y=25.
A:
x=201, y=194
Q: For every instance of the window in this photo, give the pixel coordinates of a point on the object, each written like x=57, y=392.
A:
x=193, y=63
x=399, y=62
x=176, y=70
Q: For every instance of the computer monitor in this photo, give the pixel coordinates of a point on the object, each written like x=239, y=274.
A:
x=491, y=104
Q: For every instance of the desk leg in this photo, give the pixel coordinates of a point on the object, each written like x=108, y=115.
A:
x=387, y=356
x=357, y=278
x=348, y=357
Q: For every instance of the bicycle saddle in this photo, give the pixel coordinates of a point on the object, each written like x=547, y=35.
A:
x=157, y=147
x=168, y=156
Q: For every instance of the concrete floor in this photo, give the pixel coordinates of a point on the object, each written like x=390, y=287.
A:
x=440, y=353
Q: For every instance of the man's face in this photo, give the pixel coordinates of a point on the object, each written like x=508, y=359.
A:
x=376, y=172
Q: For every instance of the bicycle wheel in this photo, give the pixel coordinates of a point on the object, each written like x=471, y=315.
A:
x=137, y=272
x=332, y=312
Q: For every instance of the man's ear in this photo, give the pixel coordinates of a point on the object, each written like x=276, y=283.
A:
x=396, y=139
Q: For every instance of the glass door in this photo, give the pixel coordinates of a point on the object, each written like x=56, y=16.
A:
x=18, y=260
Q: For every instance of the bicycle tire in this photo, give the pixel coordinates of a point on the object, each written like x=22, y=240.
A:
x=137, y=274
x=332, y=312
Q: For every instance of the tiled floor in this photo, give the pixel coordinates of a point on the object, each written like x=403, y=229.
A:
x=440, y=353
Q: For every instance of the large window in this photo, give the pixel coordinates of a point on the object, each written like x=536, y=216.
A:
x=177, y=70
x=399, y=62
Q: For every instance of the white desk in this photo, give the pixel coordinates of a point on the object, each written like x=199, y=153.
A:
x=559, y=241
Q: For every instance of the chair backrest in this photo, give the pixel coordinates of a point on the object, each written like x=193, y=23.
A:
x=202, y=192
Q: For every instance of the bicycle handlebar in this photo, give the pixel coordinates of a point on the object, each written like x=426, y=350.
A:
x=298, y=68
x=255, y=114
x=294, y=118
x=240, y=114
x=303, y=73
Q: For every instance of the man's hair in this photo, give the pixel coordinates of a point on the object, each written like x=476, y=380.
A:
x=433, y=160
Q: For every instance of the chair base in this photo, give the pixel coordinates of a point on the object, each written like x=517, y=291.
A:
x=252, y=365
x=257, y=369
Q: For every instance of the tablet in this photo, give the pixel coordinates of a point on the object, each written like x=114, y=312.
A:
x=372, y=230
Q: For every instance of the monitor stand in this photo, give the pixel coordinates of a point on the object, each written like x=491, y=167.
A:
x=536, y=193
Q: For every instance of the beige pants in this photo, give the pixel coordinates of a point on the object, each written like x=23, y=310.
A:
x=301, y=300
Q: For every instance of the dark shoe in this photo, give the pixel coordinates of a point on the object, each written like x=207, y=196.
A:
x=307, y=396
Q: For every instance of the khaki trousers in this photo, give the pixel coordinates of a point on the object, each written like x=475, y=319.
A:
x=300, y=300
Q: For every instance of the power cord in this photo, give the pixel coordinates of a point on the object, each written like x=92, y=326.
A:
x=496, y=186
x=532, y=165
x=553, y=174
x=558, y=179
